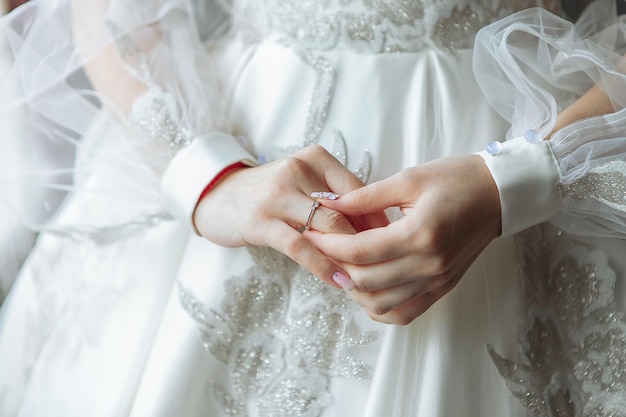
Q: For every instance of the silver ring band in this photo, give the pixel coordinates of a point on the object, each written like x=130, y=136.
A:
x=314, y=206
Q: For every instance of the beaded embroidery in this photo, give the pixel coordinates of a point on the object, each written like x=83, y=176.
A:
x=155, y=113
x=383, y=26
x=573, y=345
x=313, y=27
x=605, y=184
x=283, y=334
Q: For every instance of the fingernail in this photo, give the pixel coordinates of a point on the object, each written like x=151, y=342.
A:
x=343, y=281
x=324, y=195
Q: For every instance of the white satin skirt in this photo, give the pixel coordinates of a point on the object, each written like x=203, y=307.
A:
x=164, y=323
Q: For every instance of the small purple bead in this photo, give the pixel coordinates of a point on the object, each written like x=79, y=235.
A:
x=494, y=148
x=532, y=136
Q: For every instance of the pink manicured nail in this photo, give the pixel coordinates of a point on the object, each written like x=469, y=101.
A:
x=343, y=281
x=324, y=195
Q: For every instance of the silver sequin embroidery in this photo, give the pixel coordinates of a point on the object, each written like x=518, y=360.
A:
x=383, y=26
x=605, y=184
x=282, y=334
x=573, y=345
x=155, y=113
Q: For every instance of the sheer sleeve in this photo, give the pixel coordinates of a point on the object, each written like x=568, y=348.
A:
x=531, y=66
x=124, y=88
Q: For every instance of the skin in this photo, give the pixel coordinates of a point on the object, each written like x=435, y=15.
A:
x=451, y=212
x=266, y=205
x=594, y=102
x=105, y=70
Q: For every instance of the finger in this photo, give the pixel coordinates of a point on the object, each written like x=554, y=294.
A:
x=371, y=221
x=395, y=272
x=374, y=220
x=326, y=220
x=372, y=198
x=383, y=301
x=338, y=178
x=360, y=223
x=366, y=247
x=452, y=262
x=300, y=212
x=407, y=313
x=293, y=244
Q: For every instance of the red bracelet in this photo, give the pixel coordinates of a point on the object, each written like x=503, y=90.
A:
x=221, y=175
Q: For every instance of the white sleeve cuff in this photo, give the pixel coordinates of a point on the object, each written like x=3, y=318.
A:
x=527, y=176
x=194, y=167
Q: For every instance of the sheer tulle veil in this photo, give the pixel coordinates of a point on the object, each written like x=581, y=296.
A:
x=163, y=45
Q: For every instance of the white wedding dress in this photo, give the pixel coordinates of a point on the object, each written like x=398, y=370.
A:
x=122, y=311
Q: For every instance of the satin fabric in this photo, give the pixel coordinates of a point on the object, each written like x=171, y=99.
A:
x=138, y=353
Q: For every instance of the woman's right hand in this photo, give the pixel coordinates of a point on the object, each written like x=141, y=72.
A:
x=267, y=205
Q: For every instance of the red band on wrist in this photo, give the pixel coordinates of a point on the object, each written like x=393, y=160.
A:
x=219, y=176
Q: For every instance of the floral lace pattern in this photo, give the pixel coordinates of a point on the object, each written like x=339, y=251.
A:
x=573, y=345
x=382, y=26
x=282, y=334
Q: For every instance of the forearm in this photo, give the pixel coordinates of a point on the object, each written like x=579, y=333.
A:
x=594, y=102
x=153, y=72
x=105, y=69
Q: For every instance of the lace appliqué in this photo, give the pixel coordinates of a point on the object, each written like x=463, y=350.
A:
x=573, y=345
x=283, y=334
x=155, y=113
x=383, y=26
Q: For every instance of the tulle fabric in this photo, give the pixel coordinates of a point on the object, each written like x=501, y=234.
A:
x=530, y=66
x=141, y=49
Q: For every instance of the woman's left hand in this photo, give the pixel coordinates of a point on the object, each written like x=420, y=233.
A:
x=451, y=211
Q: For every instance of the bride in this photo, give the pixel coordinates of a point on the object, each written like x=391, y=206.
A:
x=318, y=208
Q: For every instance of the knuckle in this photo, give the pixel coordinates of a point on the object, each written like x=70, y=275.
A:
x=403, y=319
x=439, y=264
x=375, y=317
x=262, y=211
x=355, y=254
x=440, y=282
x=447, y=286
x=361, y=283
x=335, y=221
x=437, y=283
x=431, y=237
x=314, y=151
x=294, y=245
x=379, y=307
x=291, y=166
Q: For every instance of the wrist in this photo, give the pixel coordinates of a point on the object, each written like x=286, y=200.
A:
x=219, y=178
x=527, y=176
x=199, y=167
